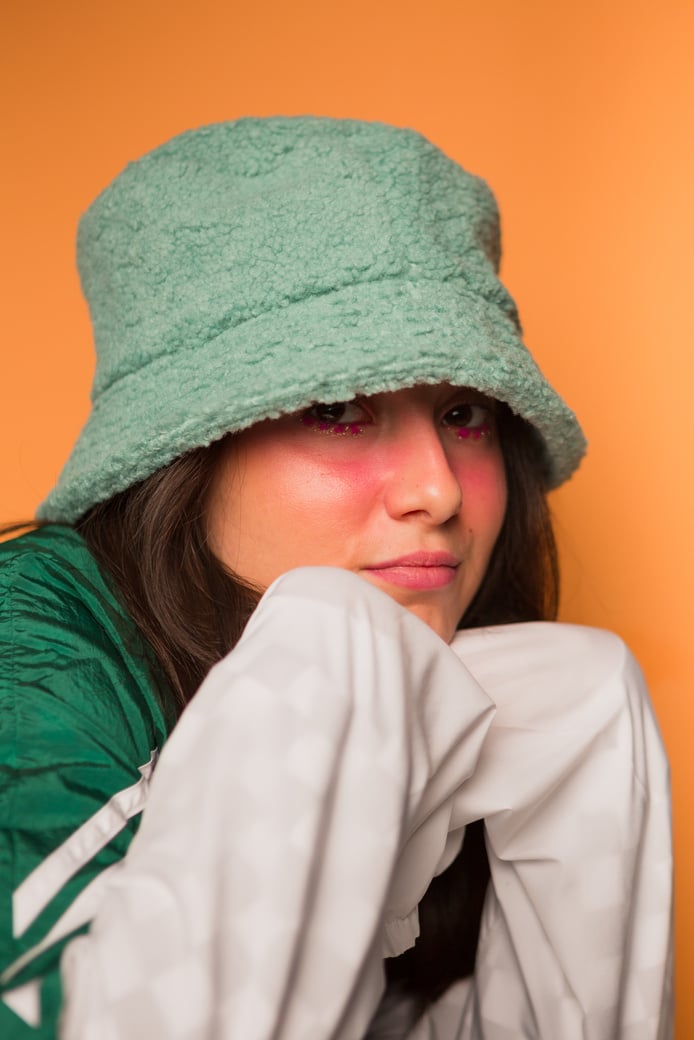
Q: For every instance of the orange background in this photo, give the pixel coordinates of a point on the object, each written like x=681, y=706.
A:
x=581, y=118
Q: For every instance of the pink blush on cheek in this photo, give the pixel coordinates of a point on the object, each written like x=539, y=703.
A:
x=484, y=488
x=342, y=484
x=328, y=476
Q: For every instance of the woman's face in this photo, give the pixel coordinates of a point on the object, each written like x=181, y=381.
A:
x=406, y=489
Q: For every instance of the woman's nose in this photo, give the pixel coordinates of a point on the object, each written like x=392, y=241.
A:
x=421, y=478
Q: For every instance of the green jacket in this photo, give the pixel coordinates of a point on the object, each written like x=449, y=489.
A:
x=80, y=727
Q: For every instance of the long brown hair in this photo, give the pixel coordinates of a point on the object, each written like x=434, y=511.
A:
x=152, y=540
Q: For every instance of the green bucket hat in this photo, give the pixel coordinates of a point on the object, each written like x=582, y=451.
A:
x=249, y=269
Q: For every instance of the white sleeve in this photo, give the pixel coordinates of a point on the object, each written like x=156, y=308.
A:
x=296, y=817
x=573, y=784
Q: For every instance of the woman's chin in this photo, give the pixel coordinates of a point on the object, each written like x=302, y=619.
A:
x=442, y=619
x=443, y=626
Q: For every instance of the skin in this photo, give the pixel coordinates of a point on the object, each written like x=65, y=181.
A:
x=397, y=479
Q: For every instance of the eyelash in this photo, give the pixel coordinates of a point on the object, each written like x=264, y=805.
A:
x=312, y=419
x=322, y=424
x=475, y=433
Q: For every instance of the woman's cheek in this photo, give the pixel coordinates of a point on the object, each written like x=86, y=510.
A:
x=321, y=484
x=484, y=491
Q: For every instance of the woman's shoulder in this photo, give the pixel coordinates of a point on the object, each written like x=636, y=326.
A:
x=64, y=634
x=551, y=655
x=546, y=638
x=49, y=577
x=54, y=552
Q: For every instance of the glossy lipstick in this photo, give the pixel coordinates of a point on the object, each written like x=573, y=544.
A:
x=419, y=570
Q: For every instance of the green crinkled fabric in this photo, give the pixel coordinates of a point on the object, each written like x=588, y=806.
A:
x=79, y=716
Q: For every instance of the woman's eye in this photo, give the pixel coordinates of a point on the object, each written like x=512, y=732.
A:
x=469, y=420
x=339, y=417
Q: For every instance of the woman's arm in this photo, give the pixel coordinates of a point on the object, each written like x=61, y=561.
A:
x=296, y=817
x=573, y=784
x=320, y=778
x=79, y=729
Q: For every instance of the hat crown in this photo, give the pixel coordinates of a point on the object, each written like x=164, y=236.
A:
x=248, y=269
x=226, y=223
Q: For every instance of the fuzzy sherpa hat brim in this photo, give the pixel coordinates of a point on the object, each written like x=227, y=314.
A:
x=242, y=333
x=364, y=339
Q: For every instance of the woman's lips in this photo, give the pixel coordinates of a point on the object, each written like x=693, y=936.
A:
x=421, y=570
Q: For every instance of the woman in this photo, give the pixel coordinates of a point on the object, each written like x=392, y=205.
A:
x=308, y=367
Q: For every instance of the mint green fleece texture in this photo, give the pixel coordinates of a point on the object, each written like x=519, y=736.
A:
x=248, y=269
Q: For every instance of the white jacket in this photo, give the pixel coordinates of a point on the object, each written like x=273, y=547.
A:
x=325, y=772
